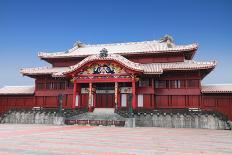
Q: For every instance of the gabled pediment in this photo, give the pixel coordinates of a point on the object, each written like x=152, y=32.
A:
x=111, y=64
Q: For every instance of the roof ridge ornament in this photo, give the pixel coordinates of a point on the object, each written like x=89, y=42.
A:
x=103, y=53
x=78, y=44
x=167, y=39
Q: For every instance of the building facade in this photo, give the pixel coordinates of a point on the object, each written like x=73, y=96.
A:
x=138, y=75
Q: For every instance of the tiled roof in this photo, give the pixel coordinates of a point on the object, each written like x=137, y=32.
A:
x=121, y=48
x=152, y=68
x=42, y=70
x=217, y=88
x=17, y=90
x=159, y=68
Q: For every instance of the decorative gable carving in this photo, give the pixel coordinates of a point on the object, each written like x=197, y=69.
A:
x=103, y=68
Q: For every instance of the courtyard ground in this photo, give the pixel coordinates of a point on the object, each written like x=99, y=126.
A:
x=86, y=140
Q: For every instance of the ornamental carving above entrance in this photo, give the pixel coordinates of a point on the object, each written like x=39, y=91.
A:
x=103, y=68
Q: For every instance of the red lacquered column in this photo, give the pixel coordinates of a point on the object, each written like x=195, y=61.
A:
x=74, y=94
x=134, y=104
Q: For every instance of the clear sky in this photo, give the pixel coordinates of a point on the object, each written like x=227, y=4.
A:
x=30, y=26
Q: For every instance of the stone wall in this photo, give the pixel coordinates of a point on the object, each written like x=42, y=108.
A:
x=143, y=119
x=169, y=120
x=33, y=117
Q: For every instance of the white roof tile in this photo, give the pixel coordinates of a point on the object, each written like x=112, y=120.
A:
x=17, y=90
x=217, y=88
x=42, y=70
x=121, y=48
x=186, y=65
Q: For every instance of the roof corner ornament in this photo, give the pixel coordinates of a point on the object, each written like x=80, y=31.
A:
x=103, y=53
x=167, y=39
x=78, y=44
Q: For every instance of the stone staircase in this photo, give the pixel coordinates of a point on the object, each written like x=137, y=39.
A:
x=100, y=116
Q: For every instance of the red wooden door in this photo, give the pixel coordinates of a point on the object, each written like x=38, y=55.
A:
x=98, y=101
x=110, y=100
x=104, y=100
x=84, y=100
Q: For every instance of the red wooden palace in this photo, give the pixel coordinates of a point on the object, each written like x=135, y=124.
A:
x=147, y=75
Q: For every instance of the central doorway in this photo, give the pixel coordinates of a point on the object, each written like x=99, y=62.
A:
x=104, y=100
x=104, y=95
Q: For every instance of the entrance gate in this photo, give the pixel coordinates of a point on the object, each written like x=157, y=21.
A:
x=104, y=95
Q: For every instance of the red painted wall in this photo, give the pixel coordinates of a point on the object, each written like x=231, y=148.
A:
x=178, y=101
x=218, y=102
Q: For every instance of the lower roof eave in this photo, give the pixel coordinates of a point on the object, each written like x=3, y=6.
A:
x=214, y=93
x=20, y=94
x=17, y=90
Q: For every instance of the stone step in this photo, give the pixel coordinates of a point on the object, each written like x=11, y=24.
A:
x=100, y=116
x=103, y=111
x=97, y=116
x=96, y=122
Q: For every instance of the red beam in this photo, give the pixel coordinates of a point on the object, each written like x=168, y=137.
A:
x=103, y=80
x=104, y=75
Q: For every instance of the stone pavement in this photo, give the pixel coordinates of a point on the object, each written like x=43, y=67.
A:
x=88, y=140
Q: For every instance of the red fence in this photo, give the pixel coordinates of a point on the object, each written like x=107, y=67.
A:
x=212, y=102
x=8, y=102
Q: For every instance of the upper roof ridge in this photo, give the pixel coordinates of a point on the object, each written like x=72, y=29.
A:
x=123, y=43
x=124, y=48
x=113, y=44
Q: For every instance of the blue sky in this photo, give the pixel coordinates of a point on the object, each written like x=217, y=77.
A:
x=30, y=26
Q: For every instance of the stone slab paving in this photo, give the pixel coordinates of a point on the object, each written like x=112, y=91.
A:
x=89, y=140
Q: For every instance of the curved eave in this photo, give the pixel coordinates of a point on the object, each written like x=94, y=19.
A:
x=185, y=69
x=33, y=75
x=28, y=72
x=41, y=71
x=188, y=65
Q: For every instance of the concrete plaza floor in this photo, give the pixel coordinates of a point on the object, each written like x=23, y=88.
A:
x=44, y=139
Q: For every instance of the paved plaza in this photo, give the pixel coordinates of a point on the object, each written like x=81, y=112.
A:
x=88, y=140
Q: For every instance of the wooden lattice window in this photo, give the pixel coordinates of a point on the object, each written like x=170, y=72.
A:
x=40, y=86
x=49, y=85
x=62, y=85
x=161, y=84
x=144, y=82
x=193, y=83
x=177, y=83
